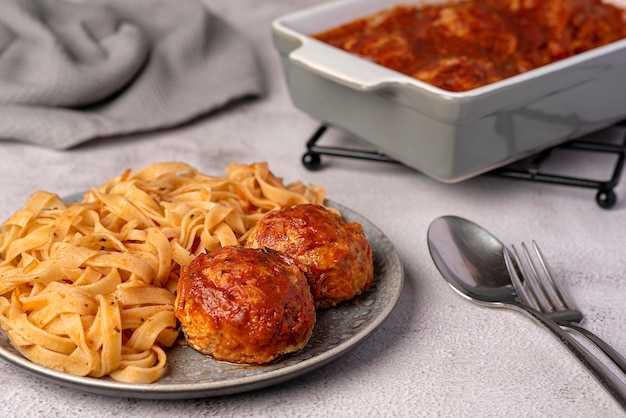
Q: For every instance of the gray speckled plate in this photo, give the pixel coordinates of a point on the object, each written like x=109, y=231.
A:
x=190, y=374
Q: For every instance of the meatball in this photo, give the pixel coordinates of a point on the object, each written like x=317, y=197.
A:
x=245, y=305
x=335, y=254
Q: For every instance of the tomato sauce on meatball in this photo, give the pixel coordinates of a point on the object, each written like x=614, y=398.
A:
x=245, y=305
x=335, y=254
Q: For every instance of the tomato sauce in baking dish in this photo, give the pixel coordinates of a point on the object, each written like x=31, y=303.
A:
x=459, y=46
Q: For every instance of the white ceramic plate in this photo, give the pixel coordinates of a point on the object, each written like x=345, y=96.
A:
x=190, y=374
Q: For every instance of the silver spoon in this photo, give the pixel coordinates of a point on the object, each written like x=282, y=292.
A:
x=474, y=262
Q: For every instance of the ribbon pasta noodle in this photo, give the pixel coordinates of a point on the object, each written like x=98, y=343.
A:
x=87, y=288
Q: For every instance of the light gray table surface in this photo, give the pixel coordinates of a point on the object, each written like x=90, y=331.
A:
x=437, y=354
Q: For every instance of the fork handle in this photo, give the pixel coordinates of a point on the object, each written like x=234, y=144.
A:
x=599, y=370
x=616, y=357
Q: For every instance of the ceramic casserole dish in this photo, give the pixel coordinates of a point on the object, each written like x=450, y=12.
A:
x=450, y=136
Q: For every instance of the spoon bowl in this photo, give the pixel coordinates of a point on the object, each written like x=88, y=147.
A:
x=471, y=259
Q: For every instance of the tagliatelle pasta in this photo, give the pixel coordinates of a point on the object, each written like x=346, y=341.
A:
x=88, y=287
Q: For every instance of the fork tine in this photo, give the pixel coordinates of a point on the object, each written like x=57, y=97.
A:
x=515, y=271
x=562, y=299
x=542, y=294
x=530, y=291
x=552, y=299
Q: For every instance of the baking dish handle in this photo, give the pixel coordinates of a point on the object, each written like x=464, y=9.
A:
x=342, y=67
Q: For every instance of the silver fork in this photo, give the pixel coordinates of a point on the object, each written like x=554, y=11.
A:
x=540, y=291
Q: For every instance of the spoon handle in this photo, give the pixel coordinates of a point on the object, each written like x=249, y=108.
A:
x=611, y=353
x=599, y=370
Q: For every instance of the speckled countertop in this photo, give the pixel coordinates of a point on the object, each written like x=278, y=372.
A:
x=437, y=354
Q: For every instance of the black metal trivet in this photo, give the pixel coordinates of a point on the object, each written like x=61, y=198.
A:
x=527, y=169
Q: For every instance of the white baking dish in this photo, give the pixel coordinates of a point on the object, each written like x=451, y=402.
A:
x=448, y=136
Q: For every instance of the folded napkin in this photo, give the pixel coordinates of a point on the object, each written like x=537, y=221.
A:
x=73, y=71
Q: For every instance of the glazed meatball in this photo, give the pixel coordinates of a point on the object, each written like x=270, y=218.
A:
x=335, y=254
x=245, y=305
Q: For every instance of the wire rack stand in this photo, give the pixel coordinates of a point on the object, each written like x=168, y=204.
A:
x=528, y=169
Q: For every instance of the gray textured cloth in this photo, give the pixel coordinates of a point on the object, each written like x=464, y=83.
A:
x=71, y=72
